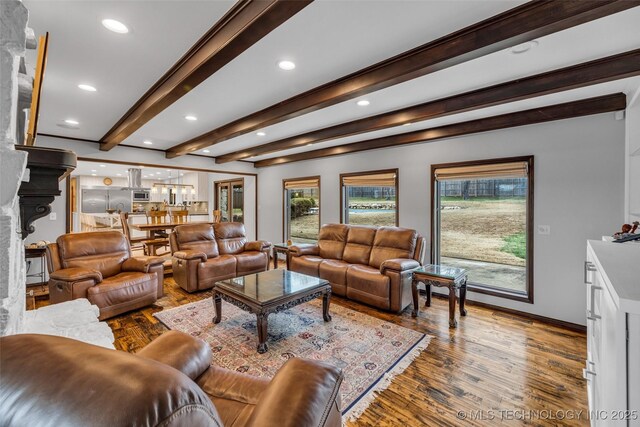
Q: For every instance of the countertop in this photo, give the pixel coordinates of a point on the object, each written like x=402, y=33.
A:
x=619, y=264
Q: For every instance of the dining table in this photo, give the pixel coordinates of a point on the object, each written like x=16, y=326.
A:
x=152, y=229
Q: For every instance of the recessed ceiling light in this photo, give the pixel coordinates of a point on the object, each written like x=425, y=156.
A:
x=407, y=124
x=205, y=151
x=181, y=174
x=115, y=26
x=88, y=88
x=147, y=142
x=191, y=118
x=309, y=144
x=93, y=170
x=260, y=133
x=118, y=174
x=168, y=170
x=363, y=103
x=286, y=65
x=524, y=47
x=158, y=173
x=93, y=174
x=71, y=122
x=103, y=166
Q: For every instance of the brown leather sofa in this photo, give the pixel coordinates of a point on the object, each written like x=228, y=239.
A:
x=371, y=265
x=55, y=381
x=204, y=254
x=99, y=266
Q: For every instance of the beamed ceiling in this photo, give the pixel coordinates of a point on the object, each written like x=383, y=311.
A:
x=429, y=70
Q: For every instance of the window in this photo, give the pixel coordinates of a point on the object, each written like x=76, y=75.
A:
x=482, y=222
x=229, y=200
x=302, y=209
x=369, y=198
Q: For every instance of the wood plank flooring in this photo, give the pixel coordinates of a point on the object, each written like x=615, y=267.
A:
x=493, y=361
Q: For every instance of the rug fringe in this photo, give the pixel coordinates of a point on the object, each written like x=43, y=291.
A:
x=358, y=409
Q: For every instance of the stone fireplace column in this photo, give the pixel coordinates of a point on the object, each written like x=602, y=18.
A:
x=13, y=26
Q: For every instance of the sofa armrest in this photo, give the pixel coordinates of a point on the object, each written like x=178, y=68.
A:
x=76, y=274
x=299, y=250
x=141, y=263
x=187, y=255
x=258, y=245
x=399, y=264
x=316, y=386
x=187, y=354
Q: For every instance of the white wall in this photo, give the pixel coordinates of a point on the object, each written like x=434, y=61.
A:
x=579, y=192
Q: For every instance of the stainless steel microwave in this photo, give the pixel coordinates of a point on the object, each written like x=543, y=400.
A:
x=140, y=196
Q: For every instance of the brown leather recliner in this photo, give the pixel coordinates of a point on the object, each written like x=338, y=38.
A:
x=204, y=254
x=168, y=383
x=99, y=266
x=372, y=265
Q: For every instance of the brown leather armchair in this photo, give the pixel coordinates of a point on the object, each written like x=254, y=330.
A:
x=168, y=383
x=99, y=266
x=204, y=254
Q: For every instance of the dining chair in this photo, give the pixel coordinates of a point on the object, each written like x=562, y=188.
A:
x=217, y=216
x=136, y=243
x=179, y=216
x=162, y=238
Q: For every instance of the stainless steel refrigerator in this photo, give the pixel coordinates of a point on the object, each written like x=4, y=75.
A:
x=99, y=200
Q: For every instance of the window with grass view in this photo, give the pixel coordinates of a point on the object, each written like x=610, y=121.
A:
x=482, y=223
x=370, y=198
x=302, y=209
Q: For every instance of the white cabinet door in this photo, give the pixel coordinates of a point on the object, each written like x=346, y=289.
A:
x=611, y=397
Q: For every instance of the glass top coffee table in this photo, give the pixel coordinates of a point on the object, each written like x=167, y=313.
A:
x=270, y=292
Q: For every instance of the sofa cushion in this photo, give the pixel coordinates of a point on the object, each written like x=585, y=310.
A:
x=251, y=261
x=335, y=271
x=332, y=239
x=216, y=269
x=197, y=237
x=105, y=253
x=124, y=288
x=306, y=264
x=367, y=285
x=359, y=243
x=392, y=242
x=231, y=237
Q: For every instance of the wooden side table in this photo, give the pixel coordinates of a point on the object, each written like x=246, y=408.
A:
x=280, y=248
x=441, y=276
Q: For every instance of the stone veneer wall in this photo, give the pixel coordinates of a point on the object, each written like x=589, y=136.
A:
x=13, y=39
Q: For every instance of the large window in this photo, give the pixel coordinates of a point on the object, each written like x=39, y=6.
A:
x=482, y=222
x=369, y=198
x=229, y=200
x=302, y=209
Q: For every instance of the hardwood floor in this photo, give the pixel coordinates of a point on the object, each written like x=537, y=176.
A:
x=493, y=361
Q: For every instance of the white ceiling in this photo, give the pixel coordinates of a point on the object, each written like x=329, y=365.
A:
x=326, y=40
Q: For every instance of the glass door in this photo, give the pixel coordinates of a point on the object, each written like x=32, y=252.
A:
x=229, y=197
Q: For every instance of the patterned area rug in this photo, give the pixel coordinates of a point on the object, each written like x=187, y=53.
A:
x=369, y=351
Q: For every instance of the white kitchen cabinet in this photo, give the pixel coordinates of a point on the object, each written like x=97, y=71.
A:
x=612, y=371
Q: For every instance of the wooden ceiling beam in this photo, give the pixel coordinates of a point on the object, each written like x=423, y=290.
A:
x=247, y=22
x=597, y=105
x=614, y=67
x=523, y=23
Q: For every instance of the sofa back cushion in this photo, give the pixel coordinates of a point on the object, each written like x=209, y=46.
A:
x=196, y=237
x=392, y=242
x=359, y=244
x=332, y=240
x=102, y=251
x=231, y=237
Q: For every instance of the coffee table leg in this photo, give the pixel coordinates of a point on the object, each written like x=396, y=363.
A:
x=217, y=302
x=452, y=306
x=427, y=288
x=463, y=298
x=262, y=332
x=326, y=301
x=275, y=259
x=414, y=293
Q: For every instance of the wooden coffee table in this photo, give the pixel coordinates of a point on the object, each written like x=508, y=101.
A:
x=270, y=292
x=441, y=275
